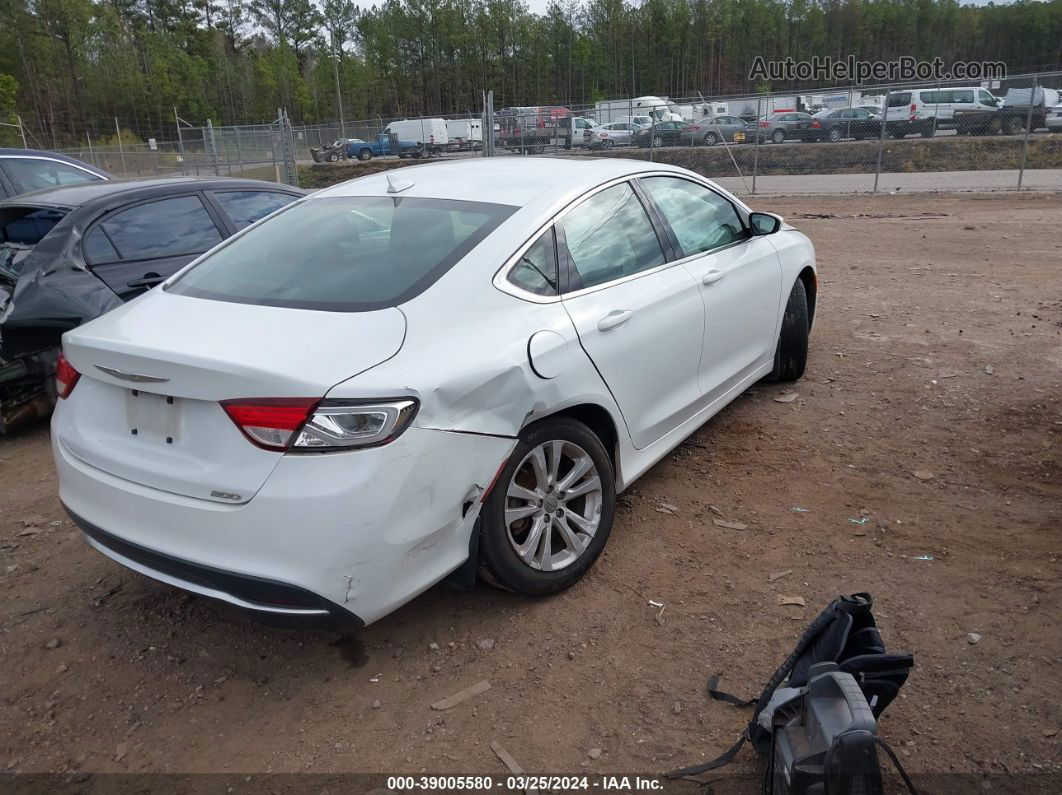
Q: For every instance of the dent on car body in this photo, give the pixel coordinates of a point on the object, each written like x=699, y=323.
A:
x=42, y=296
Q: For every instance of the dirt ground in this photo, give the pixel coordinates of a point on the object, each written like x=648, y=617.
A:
x=930, y=407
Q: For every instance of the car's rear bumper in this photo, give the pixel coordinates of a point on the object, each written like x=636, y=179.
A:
x=274, y=603
x=360, y=532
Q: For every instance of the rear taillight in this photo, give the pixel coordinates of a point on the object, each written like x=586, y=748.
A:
x=914, y=110
x=65, y=377
x=306, y=424
x=816, y=124
x=763, y=124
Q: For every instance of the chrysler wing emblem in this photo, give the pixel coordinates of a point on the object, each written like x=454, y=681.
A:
x=138, y=378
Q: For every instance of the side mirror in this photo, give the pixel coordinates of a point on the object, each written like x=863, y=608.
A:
x=764, y=223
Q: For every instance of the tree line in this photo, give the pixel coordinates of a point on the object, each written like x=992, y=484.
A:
x=69, y=67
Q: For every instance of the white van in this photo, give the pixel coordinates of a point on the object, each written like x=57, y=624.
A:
x=922, y=110
x=430, y=133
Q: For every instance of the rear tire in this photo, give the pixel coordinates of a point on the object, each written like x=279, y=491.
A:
x=791, y=355
x=834, y=134
x=778, y=137
x=541, y=570
x=608, y=143
x=710, y=139
x=365, y=154
x=333, y=157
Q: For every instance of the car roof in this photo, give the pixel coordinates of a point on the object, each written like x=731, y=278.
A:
x=8, y=152
x=84, y=192
x=512, y=180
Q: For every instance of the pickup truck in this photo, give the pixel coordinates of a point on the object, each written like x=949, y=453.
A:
x=386, y=145
x=1010, y=118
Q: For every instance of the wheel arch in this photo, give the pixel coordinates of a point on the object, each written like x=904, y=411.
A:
x=595, y=417
x=811, y=289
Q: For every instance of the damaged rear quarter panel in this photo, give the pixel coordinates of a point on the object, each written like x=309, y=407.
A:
x=465, y=357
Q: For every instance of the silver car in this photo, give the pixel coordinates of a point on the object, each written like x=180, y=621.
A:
x=607, y=136
x=713, y=129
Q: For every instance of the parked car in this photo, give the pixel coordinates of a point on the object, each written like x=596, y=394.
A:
x=1053, y=119
x=713, y=129
x=307, y=427
x=664, y=133
x=70, y=254
x=638, y=121
x=26, y=170
x=780, y=127
x=609, y=135
x=834, y=125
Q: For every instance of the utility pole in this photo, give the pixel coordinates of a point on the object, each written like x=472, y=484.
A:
x=339, y=94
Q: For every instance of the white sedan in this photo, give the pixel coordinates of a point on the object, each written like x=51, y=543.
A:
x=447, y=370
x=607, y=136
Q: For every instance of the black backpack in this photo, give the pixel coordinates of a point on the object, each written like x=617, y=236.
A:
x=844, y=633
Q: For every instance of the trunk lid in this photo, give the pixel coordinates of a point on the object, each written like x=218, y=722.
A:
x=160, y=365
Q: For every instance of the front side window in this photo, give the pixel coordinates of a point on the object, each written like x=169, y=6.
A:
x=245, y=207
x=166, y=228
x=609, y=236
x=29, y=173
x=899, y=99
x=536, y=270
x=701, y=219
x=344, y=253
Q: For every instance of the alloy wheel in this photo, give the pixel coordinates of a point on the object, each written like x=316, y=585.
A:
x=553, y=505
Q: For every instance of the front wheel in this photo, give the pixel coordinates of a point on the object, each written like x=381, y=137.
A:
x=791, y=355
x=551, y=510
x=333, y=157
x=658, y=142
x=365, y=154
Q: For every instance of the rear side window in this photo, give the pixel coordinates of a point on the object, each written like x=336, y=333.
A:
x=536, y=271
x=165, y=228
x=245, y=207
x=30, y=173
x=27, y=226
x=609, y=236
x=701, y=220
x=344, y=253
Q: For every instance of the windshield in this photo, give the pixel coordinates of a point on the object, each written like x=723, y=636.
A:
x=343, y=254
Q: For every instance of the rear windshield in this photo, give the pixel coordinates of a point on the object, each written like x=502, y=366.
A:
x=343, y=254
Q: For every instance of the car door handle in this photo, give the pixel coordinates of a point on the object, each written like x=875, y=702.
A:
x=147, y=280
x=617, y=317
x=711, y=277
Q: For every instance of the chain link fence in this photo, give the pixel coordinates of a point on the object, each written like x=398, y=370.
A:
x=918, y=136
x=942, y=136
x=266, y=151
